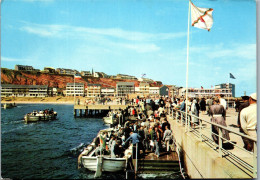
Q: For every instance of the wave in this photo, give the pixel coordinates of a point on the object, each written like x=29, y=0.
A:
x=75, y=151
x=13, y=122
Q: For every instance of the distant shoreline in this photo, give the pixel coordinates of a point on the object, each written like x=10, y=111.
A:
x=39, y=100
x=36, y=102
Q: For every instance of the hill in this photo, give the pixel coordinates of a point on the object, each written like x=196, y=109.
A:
x=9, y=76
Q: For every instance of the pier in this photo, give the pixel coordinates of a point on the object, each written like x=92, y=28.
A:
x=96, y=109
x=205, y=159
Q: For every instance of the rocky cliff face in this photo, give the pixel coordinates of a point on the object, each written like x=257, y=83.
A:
x=52, y=80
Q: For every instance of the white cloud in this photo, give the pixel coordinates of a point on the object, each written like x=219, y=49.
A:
x=218, y=51
x=137, y=41
x=8, y=59
x=76, y=31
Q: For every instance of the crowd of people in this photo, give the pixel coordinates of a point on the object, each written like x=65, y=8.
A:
x=151, y=131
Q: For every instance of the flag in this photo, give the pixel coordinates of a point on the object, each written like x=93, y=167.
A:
x=211, y=86
x=201, y=87
x=77, y=76
x=201, y=17
x=102, y=142
x=231, y=76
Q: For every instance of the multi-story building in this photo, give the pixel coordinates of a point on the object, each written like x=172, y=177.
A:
x=226, y=89
x=144, y=88
x=24, y=90
x=125, y=88
x=86, y=73
x=76, y=89
x=154, y=90
x=67, y=71
x=199, y=92
x=164, y=91
x=49, y=70
x=23, y=68
x=124, y=76
x=108, y=91
x=93, y=90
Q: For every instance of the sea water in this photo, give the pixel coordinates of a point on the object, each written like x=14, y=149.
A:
x=45, y=149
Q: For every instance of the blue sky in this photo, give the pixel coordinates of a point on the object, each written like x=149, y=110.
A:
x=133, y=37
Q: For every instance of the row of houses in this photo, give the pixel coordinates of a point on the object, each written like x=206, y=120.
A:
x=66, y=71
x=122, y=89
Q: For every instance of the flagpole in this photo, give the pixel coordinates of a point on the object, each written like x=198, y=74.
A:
x=228, y=92
x=187, y=68
x=74, y=89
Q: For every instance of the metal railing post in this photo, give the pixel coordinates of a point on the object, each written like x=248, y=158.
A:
x=200, y=121
x=176, y=114
x=186, y=123
x=255, y=160
x=189, y=119
x=220, y=140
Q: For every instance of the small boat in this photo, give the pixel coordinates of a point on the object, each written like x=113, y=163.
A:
x=9, y=105
x=40, y=116
x=110, y=118
x=102, y=163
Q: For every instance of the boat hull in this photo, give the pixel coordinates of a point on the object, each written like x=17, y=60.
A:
x=33, y=118
x=109, y=164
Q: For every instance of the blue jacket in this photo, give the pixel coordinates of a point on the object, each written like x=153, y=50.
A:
x=183, y=107
x=135, y=138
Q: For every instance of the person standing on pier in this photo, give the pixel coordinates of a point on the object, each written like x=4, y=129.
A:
x=218, y=114
x=195, y=108
x=222, y=101
x=203, y=105
x=248, y=121
x=135, y=141
x=167, y=136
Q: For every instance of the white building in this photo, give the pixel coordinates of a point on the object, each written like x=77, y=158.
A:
x=75, y=88
x=154, y=90
x=93, y=90
x=14, y=90
x=108, y=91
x=198, y=92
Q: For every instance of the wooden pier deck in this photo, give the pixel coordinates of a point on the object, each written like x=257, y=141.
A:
x=100, y=107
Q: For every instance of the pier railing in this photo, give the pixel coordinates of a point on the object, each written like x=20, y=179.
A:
x=206, y=136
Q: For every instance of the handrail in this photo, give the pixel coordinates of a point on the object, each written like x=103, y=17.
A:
x=177, y=113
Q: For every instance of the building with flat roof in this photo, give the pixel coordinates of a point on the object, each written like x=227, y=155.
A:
x=125, y=88
x=67, y=71
x=226, y=88
x=199, y=92
x=125, y=76
x=14, y=90
x=108, y=91
x=76, y=89
x=144, y=88
x=23, y=68
x=93, y=90
x=86, y=73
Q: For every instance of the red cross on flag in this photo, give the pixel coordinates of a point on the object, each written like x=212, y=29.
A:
x=201, y=17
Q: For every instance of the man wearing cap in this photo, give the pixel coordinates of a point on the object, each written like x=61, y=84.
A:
x=248, y=120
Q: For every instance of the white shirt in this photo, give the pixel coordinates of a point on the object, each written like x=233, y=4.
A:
x=248, y=118
x=223, y=102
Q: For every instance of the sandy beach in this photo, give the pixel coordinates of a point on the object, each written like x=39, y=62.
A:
x=40, y=100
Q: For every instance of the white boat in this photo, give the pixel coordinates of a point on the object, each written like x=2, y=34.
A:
x=110, y=119
x=35, y=116
x=102, y=163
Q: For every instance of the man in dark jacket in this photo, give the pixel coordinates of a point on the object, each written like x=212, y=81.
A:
x=242, y=106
